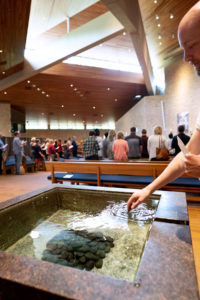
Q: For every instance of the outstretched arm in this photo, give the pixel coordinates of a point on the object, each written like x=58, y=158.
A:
x=174, y=170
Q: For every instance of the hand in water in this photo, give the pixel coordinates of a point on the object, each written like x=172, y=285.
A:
x=192, y=165
x=138, y=198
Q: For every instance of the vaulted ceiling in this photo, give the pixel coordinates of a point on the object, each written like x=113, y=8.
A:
x=40, y=84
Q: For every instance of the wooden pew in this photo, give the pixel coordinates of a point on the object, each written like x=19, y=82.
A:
x=73, y=167
x=136, y=175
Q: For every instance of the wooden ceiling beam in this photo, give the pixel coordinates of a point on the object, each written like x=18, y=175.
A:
x=128, y=13
x=83, y=38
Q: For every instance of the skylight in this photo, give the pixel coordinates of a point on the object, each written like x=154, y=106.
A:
x=99, y=63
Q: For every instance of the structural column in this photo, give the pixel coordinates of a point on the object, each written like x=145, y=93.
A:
x=5, y=119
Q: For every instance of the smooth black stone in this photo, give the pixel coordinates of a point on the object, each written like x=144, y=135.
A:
x=62, y=262
x=100, y=253
x=89, y=264
x=84, y=248
x=91, y=256
x=109, y=239
x=107, y=249
x=78, y=254
x=101, y=246
x=99, y=263
x=82, y=259
x=93, y=249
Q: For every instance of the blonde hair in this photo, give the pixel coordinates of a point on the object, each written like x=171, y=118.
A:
x=158, y=130
x=111, y=135
x=33, y=139
x=50, y=141
x=120, y=135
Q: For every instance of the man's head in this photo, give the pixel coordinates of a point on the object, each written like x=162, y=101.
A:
x=133, y=129
x=181, y=128
x=17, y=133
x=91, y=133
x=189, y=36
x=144, y=132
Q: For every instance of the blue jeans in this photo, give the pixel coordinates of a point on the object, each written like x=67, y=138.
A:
x=18, y=159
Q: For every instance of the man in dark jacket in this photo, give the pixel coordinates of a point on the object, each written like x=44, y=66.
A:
x=185, y=139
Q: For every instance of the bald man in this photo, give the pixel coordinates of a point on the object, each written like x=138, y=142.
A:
x=189, y=40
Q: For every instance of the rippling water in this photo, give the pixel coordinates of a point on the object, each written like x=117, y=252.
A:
x=141, y=213
x=128, y=230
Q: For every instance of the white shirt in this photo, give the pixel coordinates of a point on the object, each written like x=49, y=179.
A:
x=153, y=143
x=198, y=122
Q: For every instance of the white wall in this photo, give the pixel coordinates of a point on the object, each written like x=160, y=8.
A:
x=182, y=95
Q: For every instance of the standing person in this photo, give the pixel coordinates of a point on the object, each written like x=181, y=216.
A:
x=189, y=40
x=51, y=150
x=18, y=149
x=75, y=147
x=100, y=142
x=2, y=149
x=144, y=139
x=157, y=140
x=111, y=139
x=91, y=147
x=185, y=139
x=105, y=145
x=134, y=143
x=37, y=154
x=120, y=147
x=59, y=148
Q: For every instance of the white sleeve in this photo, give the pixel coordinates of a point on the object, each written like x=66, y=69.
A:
x=198, y=122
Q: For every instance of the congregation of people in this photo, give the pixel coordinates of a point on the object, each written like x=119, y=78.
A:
x=113, y=146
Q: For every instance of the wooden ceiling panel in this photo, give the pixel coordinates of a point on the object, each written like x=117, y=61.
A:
x=110, y=98
x=164, y=47
x=14, y=16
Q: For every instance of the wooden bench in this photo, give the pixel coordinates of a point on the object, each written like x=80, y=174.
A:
x=136, y=175
x=28, y=164
x=8, y=163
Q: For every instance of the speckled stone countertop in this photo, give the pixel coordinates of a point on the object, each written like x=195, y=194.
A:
x=166, y=270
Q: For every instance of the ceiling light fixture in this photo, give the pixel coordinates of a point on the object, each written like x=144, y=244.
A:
x=116, y=100
x=138, y=96
x=124, y=33
x=171, y=15
x=33, y=85
x=157, y=17
x=158, y=24
x=74, y=115
x=1, y=51
x=155, y=1
x=159, y=36
x=102, y=115
x=62, y=106
x=160, y=43
x=71, y=85
x=47, y=95
x=38, y=89
x=173, y=35
x=3, y=73
x=28, y=81
x=43, y=92
x=100, y=45
x=94, y=107
x=5, y=93
x=108, y=89
x=75, y=89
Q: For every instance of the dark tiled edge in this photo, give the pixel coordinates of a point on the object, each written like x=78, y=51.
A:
x=167, y=256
